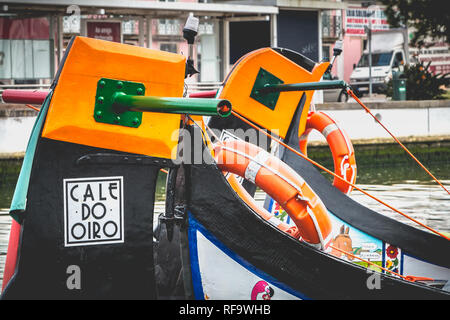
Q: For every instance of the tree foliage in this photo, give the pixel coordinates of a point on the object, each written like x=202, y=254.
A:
x=429, y=18
x=421, y=84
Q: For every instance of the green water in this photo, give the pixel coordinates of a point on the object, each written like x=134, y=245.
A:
x=9, y=172
x=389, y=164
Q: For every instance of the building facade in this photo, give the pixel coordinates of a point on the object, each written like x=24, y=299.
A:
x=35, y=33
x=228, y=29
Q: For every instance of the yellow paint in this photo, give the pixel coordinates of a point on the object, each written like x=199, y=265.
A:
x=70, y=116
x=239, y=84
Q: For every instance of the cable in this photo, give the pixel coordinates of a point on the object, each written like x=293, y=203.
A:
x=32, y=107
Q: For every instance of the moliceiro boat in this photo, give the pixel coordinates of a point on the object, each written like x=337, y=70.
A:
x=114, y=118
x=360, y=233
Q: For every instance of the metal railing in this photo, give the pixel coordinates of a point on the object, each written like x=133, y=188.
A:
x=202, y=86
x=191, y=87
x=24, y=87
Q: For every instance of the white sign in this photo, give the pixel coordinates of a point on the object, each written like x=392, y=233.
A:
x=358, y=18
x=93, y=211
x=370, y=255
x=369, y=246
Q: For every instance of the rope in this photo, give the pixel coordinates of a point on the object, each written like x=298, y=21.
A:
x=350, y=92
x=32, y=107
x=332, y=173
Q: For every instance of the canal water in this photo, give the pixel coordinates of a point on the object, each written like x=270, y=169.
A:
x=405, y=186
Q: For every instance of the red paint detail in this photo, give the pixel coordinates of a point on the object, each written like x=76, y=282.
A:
x=109, y=31
x=31, y=28
x=24, y=96
x=414, y=279
x=204, y=94
x=11, y=257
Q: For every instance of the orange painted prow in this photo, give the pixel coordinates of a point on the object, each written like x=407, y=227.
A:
x=71, y=113
x=239, y=83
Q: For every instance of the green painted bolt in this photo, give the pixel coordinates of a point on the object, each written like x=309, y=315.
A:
x=101, y=84
x=136, y=121
x=117, y=119
x=100, y=100
x=98, y=114
x=140, y=91
x=119, y=85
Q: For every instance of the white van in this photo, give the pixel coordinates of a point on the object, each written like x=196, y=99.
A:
x=389, y=52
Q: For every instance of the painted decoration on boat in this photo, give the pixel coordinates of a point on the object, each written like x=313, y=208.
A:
x=93, y=211
x=279, y=212
x=346, y=238
x=262, y=290
x=356, y=243
x=218, y=273
x=393, y=258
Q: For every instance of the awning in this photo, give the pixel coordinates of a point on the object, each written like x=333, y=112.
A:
x=311, y=4
x=138, y=7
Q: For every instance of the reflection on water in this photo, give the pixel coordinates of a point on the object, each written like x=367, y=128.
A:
x=429, y=204
x=409, y=189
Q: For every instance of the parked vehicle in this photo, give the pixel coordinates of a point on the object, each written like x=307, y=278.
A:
x=334, y=95
x=389, y=52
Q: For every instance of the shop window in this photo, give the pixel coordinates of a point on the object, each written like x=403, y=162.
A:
x=169, y=47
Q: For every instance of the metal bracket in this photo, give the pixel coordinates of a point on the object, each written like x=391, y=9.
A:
x=265, y=78
x=105, y=112
x=124, y=159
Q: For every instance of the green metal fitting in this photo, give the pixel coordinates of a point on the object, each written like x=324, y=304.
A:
x=265, y=78
x=194, y=106
x=267, y=87
x=122, y=103
x=105, y=112
x=322, y=85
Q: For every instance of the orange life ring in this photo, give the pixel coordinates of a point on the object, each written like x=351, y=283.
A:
x=280, y=182
x=340, y=145
x=251, y=202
